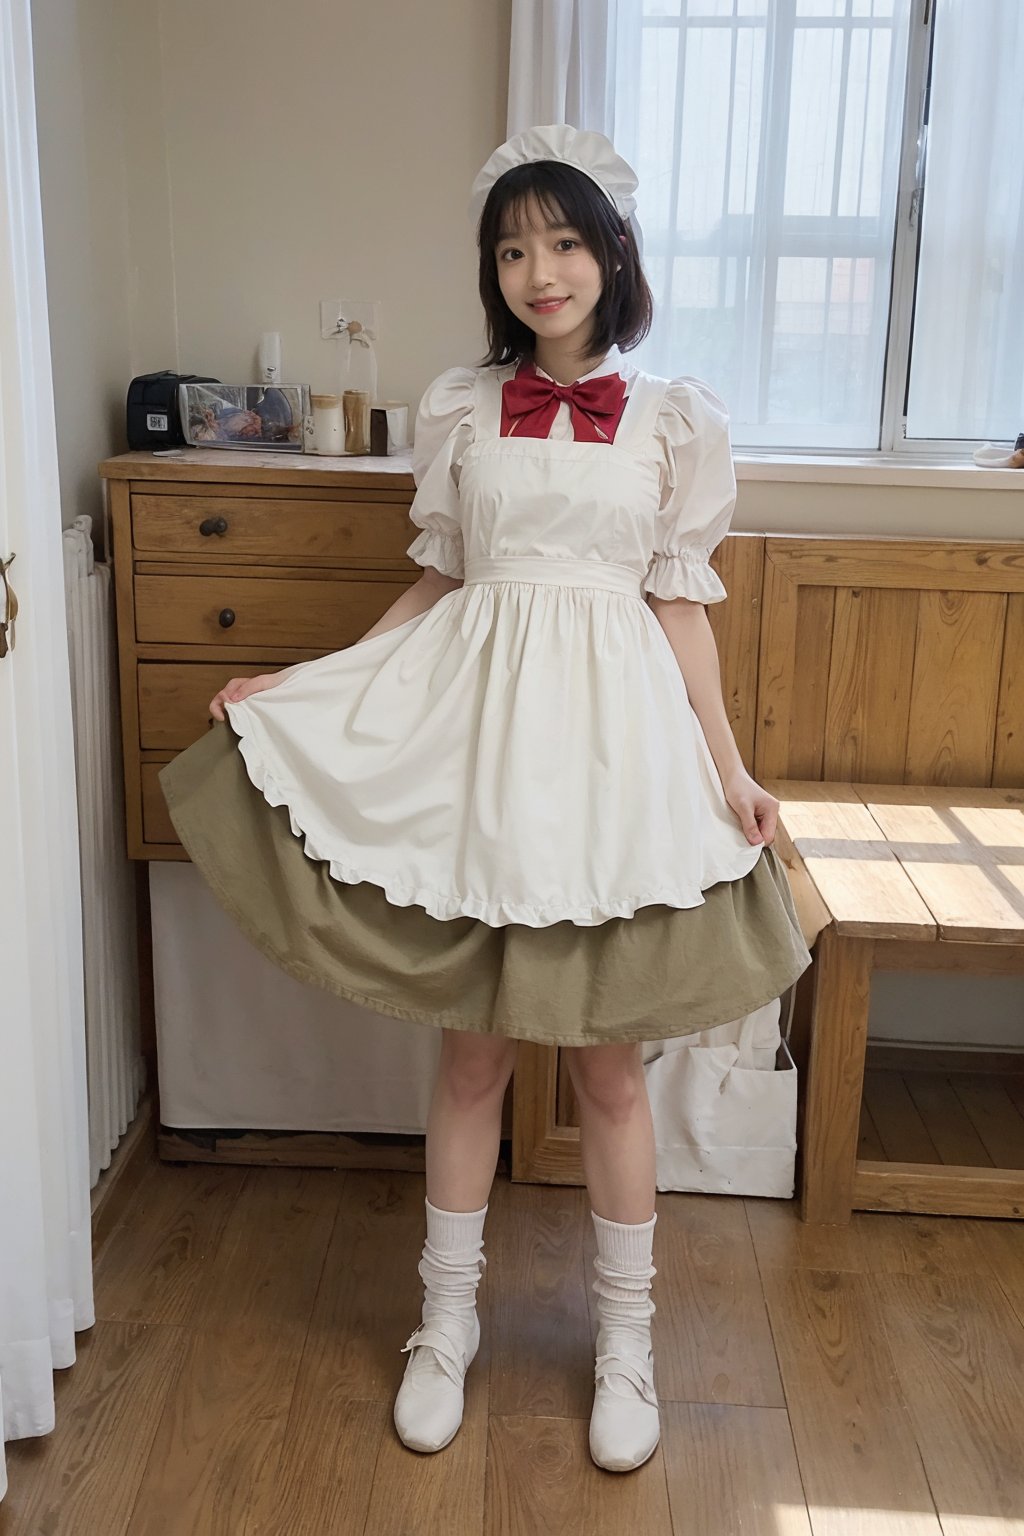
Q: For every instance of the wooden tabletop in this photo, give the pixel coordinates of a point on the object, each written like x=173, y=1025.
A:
x=905, y=861
x=250, y=466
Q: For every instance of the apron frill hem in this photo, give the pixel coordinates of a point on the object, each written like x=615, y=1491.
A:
x=445, y=906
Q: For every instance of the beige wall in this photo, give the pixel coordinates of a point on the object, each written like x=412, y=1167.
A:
x=326, y=150
x=90, y=225
x=210, y=172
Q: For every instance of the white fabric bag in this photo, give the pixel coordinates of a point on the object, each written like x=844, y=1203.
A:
x=724, y=1107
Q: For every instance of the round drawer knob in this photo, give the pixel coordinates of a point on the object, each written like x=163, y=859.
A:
x=213, y=525
x=226, y=618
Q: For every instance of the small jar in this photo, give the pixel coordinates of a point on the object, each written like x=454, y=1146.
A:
x=357, y=420
x=328, y=424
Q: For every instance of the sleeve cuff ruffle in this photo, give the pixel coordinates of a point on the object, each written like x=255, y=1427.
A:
x=443, y=551
x=687, y=574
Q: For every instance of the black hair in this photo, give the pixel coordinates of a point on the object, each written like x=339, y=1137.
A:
x=567, y=197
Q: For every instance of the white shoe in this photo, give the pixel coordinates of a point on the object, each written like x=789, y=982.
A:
x=428, y=1408
x=625, y=1426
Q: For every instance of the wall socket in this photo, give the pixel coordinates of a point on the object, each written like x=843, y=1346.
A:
x=336, y=313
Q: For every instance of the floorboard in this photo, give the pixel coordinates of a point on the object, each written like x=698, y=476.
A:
x=863, y=1380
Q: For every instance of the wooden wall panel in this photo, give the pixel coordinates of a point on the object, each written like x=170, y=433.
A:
x=777, y=663
x=869, y=685
x=813, y=649
x=921, y=564
x=1008, y=756
x=891, y=660
x=957, y=664
x=736, y=626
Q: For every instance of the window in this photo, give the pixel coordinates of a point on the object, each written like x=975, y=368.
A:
x=842, y=289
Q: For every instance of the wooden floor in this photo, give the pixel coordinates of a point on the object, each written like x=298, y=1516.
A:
x=241, y=1373
x=971, y=1119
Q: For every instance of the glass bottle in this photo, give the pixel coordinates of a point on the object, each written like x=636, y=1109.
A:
x=358, y=386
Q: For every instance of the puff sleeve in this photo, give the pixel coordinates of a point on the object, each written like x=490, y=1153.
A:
x=698, y=493
x=442, y=433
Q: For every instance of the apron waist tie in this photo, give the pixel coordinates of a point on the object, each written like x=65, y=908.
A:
x=550, y=571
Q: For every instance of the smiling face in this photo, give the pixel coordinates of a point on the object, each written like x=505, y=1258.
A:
x=548, y=278
x=560, y=276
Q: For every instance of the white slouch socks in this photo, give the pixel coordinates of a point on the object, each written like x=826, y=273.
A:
x=428, y=1408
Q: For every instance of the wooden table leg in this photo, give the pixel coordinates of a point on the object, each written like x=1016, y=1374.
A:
x=543, y=1150
x=835, y=1077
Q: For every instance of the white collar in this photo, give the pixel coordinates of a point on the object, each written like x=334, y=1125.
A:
x=613, y=362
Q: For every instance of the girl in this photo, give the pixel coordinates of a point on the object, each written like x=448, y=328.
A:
x=515, y=809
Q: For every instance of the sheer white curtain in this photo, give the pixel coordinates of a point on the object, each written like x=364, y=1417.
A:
x=45, y=1238
x=561, y=67
x=966, y=374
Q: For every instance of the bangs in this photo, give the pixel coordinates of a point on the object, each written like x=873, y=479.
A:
x=564, y=197
x=512, y=216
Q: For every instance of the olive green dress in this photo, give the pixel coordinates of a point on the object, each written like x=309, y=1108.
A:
x=663, y=972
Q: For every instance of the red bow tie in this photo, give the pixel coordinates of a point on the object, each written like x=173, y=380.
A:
x=595, y=405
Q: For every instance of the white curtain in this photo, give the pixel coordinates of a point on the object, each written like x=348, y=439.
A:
x=561, y=66
x=45, y=1237
x=966, y=377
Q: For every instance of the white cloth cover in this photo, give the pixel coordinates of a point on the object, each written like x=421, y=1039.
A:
x=242, y=1045
x=524, y=751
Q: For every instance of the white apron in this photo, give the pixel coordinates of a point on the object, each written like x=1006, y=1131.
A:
x=524, y=751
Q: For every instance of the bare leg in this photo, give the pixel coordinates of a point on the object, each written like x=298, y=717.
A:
x=616, y=1129
x=464, y=1123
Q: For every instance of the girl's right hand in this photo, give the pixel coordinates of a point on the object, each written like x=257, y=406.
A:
x=240, y=688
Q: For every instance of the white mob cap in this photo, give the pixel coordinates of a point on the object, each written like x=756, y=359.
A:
x=584, y=149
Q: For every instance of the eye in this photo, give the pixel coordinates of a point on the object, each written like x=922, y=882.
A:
x=568, y=241
x=509, y=252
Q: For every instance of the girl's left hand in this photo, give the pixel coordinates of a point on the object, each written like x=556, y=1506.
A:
x=757, y=810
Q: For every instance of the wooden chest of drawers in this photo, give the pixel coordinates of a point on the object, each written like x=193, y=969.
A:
x=228, y=565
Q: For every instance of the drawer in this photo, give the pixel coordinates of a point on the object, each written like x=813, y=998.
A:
x=157, y=826
x=262, y=611
x=174, y=695
x=365, y=533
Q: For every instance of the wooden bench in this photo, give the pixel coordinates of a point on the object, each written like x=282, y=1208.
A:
x=906, y=878
x=867, y=660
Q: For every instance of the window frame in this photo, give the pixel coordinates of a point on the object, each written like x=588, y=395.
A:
x=893, y=437
x=893, y=442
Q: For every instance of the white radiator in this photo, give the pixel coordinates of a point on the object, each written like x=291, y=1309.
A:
x=115, y=1065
